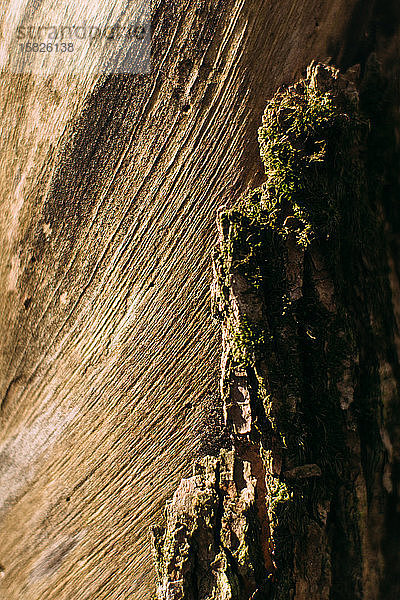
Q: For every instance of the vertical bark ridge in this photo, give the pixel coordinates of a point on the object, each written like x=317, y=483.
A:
x=301, y=287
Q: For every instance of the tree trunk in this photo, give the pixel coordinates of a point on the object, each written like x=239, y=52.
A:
x=296, y=508
x=110, y=380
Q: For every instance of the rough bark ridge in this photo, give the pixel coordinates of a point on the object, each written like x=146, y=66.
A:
x=215, y=512
x=302, y=289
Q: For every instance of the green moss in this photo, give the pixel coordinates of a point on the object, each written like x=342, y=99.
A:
x=246, y=343
x=302, y=135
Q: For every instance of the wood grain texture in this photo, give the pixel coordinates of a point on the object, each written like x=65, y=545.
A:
x=108, y=352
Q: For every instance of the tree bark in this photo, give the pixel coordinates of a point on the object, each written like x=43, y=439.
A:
x=302, y=288
x=109, y=358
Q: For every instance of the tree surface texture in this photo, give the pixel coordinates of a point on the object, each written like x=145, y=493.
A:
x=109, y=356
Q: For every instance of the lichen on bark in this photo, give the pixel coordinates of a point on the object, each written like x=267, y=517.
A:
x=301, y=288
